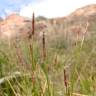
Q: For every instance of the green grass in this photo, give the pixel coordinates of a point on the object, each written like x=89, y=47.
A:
x=46, y=78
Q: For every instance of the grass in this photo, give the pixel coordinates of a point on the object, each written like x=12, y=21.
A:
x=30, y=69
x=47, y=76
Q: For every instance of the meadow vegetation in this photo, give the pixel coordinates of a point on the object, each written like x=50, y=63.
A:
x=31, y=68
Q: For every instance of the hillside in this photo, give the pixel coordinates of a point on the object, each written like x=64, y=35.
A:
x=59, y=59
x=70, y=27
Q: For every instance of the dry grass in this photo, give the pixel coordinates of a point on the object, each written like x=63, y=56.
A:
x=65, y=71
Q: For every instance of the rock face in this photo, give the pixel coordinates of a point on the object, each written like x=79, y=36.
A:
x=15, y=26
x=71, y=27
x=85, y=11
x=11, y=26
